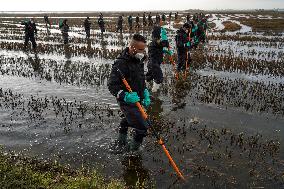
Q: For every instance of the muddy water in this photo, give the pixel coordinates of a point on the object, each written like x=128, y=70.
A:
x=211, y=142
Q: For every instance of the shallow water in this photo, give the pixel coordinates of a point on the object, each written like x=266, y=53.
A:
x=192, y=126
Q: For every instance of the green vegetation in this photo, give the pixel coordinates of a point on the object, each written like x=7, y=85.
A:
x=231, y=26
x=27, y=173
x=262, y=25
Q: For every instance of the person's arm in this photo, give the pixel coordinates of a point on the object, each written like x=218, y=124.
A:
x=115, y=84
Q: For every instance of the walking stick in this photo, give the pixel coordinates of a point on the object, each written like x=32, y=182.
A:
x=160, y=141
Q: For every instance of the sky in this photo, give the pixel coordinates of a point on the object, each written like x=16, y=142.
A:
x=135, y=5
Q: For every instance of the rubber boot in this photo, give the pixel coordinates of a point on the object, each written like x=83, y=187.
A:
x=122, y=139
x=134, y=145
x=120, y=144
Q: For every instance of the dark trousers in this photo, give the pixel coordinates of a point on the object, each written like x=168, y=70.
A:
x=102, y=29
x=88, y=34
x=31, y=38
x=65, y=37
x=119, y=28
x=154, y=72
x=182, y=59
x=133, y=118
x=130, y=26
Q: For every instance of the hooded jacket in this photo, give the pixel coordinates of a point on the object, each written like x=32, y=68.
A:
x=133, y=71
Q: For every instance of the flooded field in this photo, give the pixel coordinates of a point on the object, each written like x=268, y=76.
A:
x=222, y=123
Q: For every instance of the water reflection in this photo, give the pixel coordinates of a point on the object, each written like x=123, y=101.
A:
x=180, y=90
x=67, y=51
x=135, y=175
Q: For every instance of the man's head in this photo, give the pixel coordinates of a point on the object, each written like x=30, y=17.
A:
x=137, y=46
x=31, y=20
x=186, y=27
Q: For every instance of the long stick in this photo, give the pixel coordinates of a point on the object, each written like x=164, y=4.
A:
x=186, y=63
x=145, y=116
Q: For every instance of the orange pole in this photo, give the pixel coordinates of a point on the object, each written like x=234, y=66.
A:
x=174, y=65
x=145, y=116
x=186, y=67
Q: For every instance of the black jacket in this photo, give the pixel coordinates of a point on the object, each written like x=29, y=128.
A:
x=155, y=52
x=120, y=21
x=30, y=28
x=101, y=22
x=133, y=70
x=181, y=39
x=65, y=29
x=87, y=24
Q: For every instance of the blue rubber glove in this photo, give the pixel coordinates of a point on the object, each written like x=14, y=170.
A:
x=131, y=98
x=187, y=44
x=194, y=29
x=169, y=52
x=146, y=101
x=163, y=34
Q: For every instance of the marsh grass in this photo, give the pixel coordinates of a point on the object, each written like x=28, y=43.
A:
x=17, y=171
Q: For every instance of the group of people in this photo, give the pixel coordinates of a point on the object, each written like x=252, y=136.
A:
x=31, y=31
x=146, y=20
x=131, y=64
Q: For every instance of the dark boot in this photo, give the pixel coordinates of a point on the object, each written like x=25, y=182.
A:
x=122, y=139
x=134, y=145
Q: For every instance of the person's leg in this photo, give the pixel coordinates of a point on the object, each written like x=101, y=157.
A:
x=88, y=33
x=136, y=121
x=149, y=74
x=180, y=59
x=32, y=38
x=183, y=57
x=157, y=73
x=26, y=41
x=157, y=76
x=123, y=129
x=65, y=38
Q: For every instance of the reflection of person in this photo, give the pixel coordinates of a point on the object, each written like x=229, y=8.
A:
x=181, y=90
x=156, y=108
x=130, y=63
x=89, y=48
x=67, y=52
x=36, y=64
x=134, y=173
